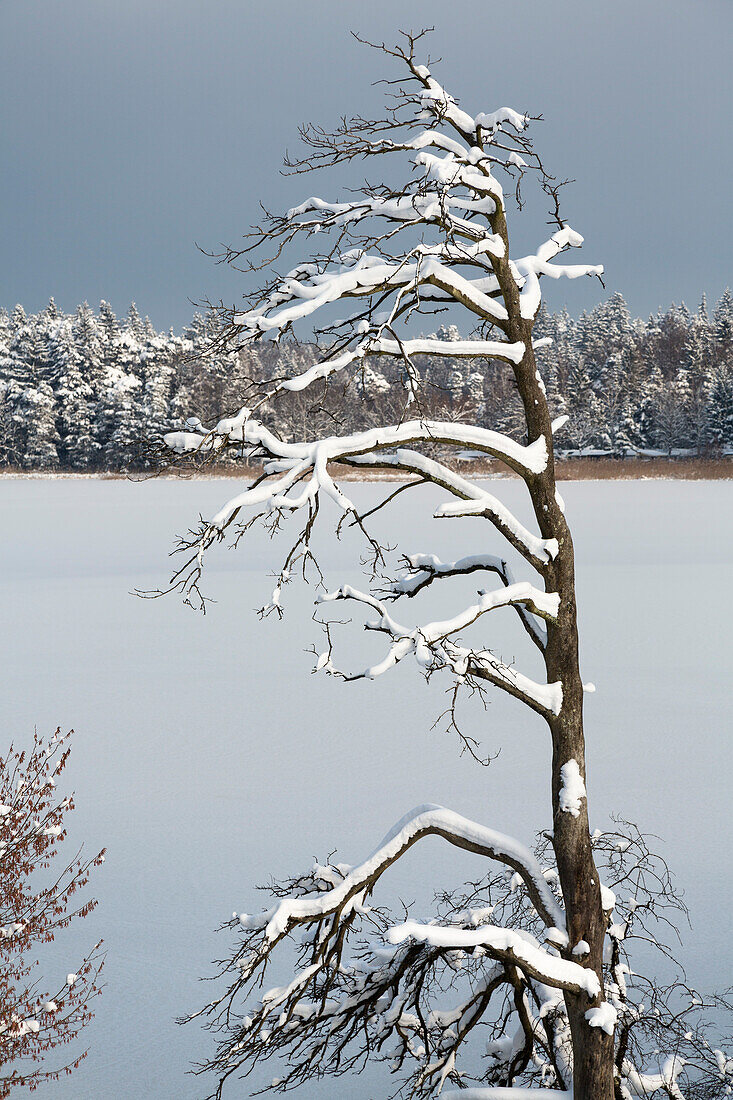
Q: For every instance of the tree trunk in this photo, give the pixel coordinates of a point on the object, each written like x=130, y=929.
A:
x=593, y=1048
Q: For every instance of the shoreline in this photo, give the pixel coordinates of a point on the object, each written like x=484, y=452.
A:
x=572, y=469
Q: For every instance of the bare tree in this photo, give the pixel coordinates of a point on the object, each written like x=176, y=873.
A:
x=38, y=899
x=436, y=240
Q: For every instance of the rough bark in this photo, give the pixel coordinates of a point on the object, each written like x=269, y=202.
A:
x=593, y=1050
x=592, y=1047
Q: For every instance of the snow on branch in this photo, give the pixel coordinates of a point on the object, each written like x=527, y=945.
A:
x=433, y=647
x=296, y=474
x=423, y=821
x=322, y=370
x=473, y=500
x=374, y=993
x=302, y=294
x=527, y=271
x=423, y=569
x=488, y=349
x=244, y=432
x=452, y=199
x=427, y=206
x=518, y=948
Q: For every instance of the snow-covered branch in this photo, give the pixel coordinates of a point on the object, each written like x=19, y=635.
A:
x=433, y=647
x=243, y=431
x=485, y=959
x=472, y=500
x=297, y=474
x=486, y=349
x=421, y=822
x=377, y=993
x=300, y=295
x=423, y=569
x=517, y=948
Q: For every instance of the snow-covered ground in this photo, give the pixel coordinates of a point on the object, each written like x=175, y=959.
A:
x=207, y=758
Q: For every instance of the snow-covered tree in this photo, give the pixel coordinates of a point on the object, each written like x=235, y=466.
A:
x=7, y=425
x=121, y=411
x=73, y=398
x=541, y=961
x=698, y=361
x=723, y=321
x=79, y=396
x=35, y=408
x=720, y=419
x=157, y=360
x=108, y=322
x=585, y=424
x=608, y=371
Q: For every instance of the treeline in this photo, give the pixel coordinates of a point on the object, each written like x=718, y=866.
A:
x=84, y=391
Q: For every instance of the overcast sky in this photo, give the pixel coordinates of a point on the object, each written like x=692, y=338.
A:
x=131, y=130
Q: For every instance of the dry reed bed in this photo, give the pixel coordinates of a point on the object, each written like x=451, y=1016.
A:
x=567, y=469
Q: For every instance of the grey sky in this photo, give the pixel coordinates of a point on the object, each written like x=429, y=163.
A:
x=132, y=129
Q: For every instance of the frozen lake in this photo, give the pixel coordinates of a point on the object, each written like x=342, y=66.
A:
x=207, y=758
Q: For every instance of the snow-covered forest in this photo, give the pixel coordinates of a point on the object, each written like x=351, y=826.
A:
x=83, y=391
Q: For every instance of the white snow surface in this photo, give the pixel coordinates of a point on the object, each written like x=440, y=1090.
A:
x=178, y=718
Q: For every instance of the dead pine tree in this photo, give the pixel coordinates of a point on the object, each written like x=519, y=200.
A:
x=546, y=980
